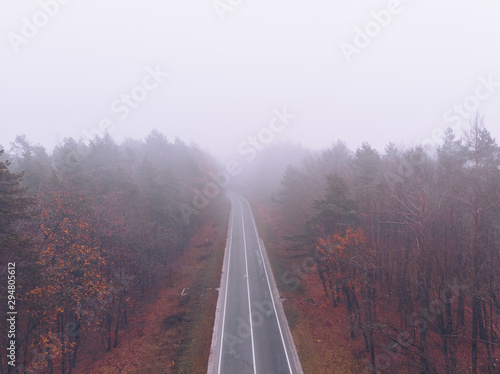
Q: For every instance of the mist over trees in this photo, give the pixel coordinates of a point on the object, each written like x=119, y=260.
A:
x=91, y=228
x=407, y=242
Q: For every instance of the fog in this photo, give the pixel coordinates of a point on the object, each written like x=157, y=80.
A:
x=357, y=140
x=215, y=72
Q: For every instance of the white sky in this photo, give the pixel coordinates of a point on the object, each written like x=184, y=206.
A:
x=226, y=77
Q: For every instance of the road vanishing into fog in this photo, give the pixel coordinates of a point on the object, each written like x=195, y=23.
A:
x=251, y=333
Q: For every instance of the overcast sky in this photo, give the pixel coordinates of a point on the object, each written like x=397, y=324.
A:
x=423, y=68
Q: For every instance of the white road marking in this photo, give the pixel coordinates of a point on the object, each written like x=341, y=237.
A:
x=248, y=289
x=269, y=284
x=225, y=296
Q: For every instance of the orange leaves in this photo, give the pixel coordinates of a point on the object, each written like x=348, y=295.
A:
x=70, y=254
x=349, y=245
x=344, y=256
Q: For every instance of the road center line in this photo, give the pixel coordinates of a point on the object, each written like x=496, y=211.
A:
x=227, y=283
x=248, y=289
x=269, y=285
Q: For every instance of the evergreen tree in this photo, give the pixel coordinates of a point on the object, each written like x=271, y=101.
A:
x=336, y=211
x=13, y=204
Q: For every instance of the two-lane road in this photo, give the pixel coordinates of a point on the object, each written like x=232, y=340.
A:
x=251, y=334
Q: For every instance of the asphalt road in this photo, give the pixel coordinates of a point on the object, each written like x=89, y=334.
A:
x=251, y=334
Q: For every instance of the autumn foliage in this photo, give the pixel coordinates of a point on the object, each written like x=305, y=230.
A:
x=407, y=243
x=92, y=233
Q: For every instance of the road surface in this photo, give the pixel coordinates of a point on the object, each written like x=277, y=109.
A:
x=251, y=333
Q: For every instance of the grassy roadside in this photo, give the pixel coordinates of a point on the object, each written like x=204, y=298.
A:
x=173, y=333
x=320, y=332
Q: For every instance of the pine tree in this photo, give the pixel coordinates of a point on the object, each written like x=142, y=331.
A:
x=15, y=243
x=13, y=204
x=336, y=211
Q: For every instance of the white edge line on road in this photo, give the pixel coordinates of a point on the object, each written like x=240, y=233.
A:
x=269, y=285
x=248, y=289
x=227, y=283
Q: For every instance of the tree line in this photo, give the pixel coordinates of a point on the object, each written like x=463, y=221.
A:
x=407, y=242
x=92, y=228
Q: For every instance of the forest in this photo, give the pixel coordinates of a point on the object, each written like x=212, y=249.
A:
x=90, y=228
x=405, y=242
